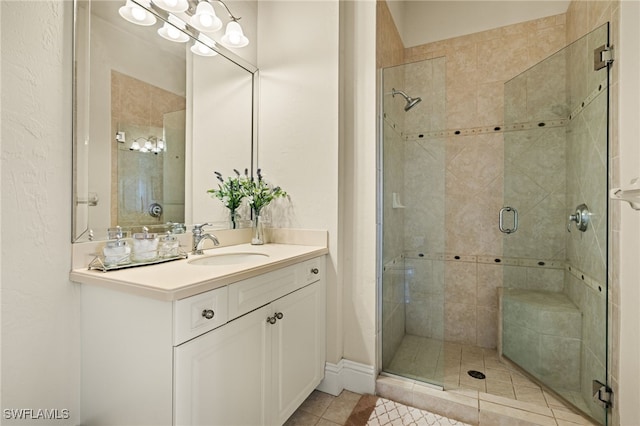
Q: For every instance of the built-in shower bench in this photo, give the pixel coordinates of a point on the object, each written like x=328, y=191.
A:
x=542, y=332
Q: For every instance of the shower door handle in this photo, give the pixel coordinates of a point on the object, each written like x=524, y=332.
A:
x=515, y=220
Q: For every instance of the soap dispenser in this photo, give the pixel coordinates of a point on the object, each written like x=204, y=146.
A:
x=169, y=246
x=116, y=252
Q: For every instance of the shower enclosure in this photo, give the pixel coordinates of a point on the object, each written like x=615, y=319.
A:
x=494, y=238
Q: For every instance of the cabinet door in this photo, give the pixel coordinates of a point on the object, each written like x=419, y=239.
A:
x=221, y=377
x=298, y=349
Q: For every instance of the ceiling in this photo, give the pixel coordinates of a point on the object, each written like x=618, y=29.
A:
x=426, y=21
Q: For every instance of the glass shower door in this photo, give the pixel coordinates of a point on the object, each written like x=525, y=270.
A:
x=412, y=187
x=554, y=220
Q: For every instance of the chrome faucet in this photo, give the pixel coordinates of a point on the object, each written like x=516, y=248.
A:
x=199, y=236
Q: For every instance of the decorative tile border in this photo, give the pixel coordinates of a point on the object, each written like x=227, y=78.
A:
x=594, y=284
x=498, y=128
x=493, y=260
x=594, y=94
x=501, y=128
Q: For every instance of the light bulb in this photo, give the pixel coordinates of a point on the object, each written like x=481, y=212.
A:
x=173, y=32
x=233, y=36
x=205, y=18
x=138, y=14
x=202, y=46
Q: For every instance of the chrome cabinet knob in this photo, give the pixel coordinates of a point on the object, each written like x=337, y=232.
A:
x=208, y=313
x=315, y=271
x=275, y=317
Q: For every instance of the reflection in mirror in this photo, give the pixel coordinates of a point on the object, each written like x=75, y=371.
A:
x=159, y=120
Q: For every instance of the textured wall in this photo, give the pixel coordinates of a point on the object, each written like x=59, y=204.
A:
x=40, y=307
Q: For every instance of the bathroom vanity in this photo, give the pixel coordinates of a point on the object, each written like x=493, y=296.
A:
x=235, y=339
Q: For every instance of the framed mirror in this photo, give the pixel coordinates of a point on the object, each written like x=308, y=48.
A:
x=152, y=122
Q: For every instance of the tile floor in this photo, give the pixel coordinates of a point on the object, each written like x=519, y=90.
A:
x=504, y=391
x=448, y=364
x=322, y=409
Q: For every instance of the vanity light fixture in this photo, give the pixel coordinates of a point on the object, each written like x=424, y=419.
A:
x=172, y=30
x=201, y=46
x=136, y=14
x=186, y=17
x=151, y=144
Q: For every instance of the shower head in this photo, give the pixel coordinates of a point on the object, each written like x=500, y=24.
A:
x=411, y=102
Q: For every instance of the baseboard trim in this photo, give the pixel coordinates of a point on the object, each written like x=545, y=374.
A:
x=350, y=375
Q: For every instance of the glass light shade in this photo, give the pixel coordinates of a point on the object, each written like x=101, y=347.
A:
x=136, y=14
x=172, y=33
x=172, y=5
x=201, y=46
x=161, y=146
x=205, y=18
x=148, y=145
x=233, y=36
x=135, y=146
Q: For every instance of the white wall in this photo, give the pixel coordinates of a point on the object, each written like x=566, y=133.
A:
x=298, y=126
x=628, y=62
x=426, y=21
x=358, y=179
x=40, y=307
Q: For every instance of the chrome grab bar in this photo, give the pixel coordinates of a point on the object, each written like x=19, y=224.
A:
x=501, y=220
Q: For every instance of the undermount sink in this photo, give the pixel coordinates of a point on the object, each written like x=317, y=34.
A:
x=228, y=259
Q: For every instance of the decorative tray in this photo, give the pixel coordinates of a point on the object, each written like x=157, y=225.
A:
x=98, y=262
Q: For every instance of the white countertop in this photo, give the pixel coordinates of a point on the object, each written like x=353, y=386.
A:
x=178, y=279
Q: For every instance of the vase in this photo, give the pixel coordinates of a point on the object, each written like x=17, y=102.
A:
x=258, y=231
x=233, y=219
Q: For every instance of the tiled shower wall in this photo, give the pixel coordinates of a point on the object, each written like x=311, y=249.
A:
x=475, y=99
x=464, y=174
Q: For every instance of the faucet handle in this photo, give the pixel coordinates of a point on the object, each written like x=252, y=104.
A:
x=197, y=229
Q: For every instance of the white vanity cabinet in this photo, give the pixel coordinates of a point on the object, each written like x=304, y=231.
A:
x=252, y=363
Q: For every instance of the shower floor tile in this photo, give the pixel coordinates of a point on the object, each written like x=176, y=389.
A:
x=452, y=363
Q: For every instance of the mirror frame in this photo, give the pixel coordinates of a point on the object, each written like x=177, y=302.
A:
x=79, y=137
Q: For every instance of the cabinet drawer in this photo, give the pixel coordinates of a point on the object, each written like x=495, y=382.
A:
x=311, y=270
x=198, y=314
x=250, y=294
x=247, y=295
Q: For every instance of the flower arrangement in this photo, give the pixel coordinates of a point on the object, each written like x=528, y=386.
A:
x=259, y=193
x=230, y=192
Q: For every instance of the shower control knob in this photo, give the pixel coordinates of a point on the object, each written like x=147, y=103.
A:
x=208, y=313
x=279, y=315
